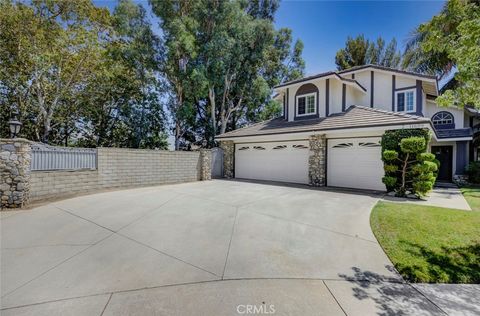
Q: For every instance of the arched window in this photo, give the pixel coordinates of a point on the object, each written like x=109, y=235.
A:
x=443, y=120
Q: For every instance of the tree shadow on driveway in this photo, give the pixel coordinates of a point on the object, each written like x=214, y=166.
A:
x=369, y=293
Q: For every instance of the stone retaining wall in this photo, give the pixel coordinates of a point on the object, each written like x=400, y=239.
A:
x=116, y=168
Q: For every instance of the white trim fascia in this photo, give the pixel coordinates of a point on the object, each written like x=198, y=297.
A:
x=306, y=134
x=390, y=73
x=299, y=84
x=349, y=83
x=440, y=140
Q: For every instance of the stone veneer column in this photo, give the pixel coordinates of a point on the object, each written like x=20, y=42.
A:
x=228, y=157
x=206, y=164
x=15, y=156
x=316, y=161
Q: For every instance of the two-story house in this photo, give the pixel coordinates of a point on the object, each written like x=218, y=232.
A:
x=332, y=124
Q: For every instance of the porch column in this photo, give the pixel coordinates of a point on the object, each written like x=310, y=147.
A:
x=228, y=158
x=317, y=161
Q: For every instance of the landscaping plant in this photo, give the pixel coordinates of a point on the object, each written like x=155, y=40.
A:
x=473, y=172
x=409, y=169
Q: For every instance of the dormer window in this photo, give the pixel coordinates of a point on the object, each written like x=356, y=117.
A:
x=405, y=101
x=306, y=104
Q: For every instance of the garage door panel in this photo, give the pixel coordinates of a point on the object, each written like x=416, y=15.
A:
x=355, y=163
x=279, y=161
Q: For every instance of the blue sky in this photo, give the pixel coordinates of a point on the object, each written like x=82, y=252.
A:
x=323, y=26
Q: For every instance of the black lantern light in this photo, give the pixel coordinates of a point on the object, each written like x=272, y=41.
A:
x=15, y=125
x=204, y=143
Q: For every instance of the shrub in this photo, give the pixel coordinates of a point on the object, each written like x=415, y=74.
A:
x=389, y=181
x=473, y=172
x=427, y=157
x=390, y=155
x=413, y=145
x=408, y=168
x=422, y=187
x=390, y=168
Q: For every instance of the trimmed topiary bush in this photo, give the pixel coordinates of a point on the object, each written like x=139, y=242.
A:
x=408, y=168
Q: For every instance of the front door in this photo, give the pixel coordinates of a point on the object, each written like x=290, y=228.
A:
x=444, y=155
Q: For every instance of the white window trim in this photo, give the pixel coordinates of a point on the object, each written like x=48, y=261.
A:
x=305, y=96
x=414, y=101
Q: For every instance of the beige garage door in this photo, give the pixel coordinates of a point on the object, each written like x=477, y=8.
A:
x=276, y=161
x=355, y=163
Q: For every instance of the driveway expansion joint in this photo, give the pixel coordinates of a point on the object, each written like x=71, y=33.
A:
x=57, y=265
x=105, y=307
x=338, y=303
x=426, y=297
x=230, y=242
x=111, y=293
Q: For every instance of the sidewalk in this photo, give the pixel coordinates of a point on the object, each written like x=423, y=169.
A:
x=440, y=196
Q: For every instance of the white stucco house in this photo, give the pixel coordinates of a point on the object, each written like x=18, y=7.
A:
x=331, y=127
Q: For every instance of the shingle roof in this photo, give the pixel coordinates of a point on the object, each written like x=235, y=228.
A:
x=454, y=133
x=338, y=74
x=354, y=117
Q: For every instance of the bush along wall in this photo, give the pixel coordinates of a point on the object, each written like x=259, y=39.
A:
x=409, y=170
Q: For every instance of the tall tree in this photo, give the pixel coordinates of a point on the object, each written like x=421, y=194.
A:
x=360, y=51
x=123, y=104
x=48, y=52
x=179, y=23
x=450, y=41
x=230, y=57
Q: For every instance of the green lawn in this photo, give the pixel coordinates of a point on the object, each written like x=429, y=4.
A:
x=472, y=195
x=430, y=244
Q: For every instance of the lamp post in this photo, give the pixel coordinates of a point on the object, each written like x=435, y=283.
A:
x=15, y=125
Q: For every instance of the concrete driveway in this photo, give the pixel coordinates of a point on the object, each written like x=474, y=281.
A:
x=204, y=248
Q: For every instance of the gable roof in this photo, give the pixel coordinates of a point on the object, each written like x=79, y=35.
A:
x=405, y=72
x=355, y=117
x=430, y=83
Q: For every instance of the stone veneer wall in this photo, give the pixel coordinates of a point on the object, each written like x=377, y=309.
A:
x=123, y=168
x=206, y=167
x=15, y=155
x=316, y=161
x=228, y=158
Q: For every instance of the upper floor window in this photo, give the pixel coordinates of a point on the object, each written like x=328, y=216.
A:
x=406, y=101
x=443, y=120
x=306, y=104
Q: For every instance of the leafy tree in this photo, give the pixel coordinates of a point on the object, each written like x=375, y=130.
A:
x=450, y=41
x=179, y=23
x=81, y=76
x=127, y=86
x=231, y=56
x=360, y=51
x=48, y=51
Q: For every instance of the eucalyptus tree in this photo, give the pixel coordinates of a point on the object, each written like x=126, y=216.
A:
x=123, y=106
